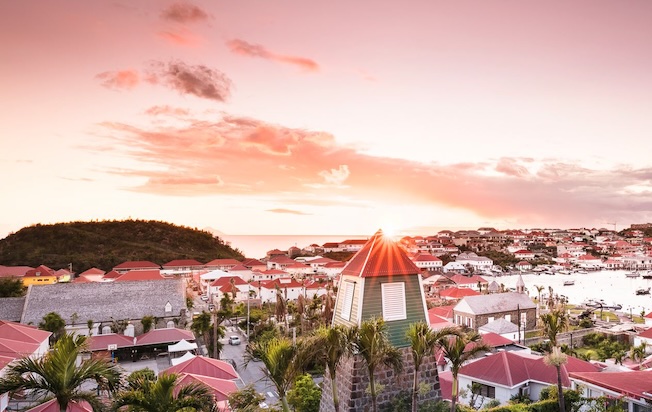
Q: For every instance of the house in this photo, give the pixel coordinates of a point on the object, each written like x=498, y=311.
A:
x=505, y=374
x=41, y=275
x=254, y=264
x=475, y=282
x=477, y=311
x=634, y=388
x=645, y=336
x=588, y=261
x=13, y=271
x=182, y=267
x=648, y=319
x=18, y=341
x=280, y=262
x=504, y=328
x=241, y=271
x=352, y=245
x=427, y=261
x=457, y=293
x=523, y=266
x=523, y=254
x=221, y=264
x=125, y=267
x=234, y=285
x=91, y=275
x=477, y=263
x=104, y=302
x=205, y=279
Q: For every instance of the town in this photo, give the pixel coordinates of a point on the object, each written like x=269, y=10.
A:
x=450, y=334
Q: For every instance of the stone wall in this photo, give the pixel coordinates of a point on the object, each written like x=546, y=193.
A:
x=353, y=384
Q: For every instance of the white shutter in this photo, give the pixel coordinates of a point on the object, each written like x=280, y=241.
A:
x=393, y=301
x=348, y=300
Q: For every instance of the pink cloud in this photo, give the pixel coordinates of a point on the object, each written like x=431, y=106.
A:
x=297, y=166
x=121, y=79
x=181, y=37
x=167, y=111
x=198, y=80
x=243, y=48
x=183, y=12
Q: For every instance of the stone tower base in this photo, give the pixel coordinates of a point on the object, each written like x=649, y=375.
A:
x=353, y=384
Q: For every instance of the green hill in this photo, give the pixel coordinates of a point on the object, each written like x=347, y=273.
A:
x=105, y=244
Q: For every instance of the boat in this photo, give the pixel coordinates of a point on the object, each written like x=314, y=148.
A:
x=632, y=274
x=643, y=291
x=582, y=272
x=569, y=282
x=647, y=275
x=565, y=272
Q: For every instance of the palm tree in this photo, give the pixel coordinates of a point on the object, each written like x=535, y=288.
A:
x=557, y=358
x=283, y=363
x=637, y=353
x=458, y=350
x=539, y=290
x=57, y=374
x=201, y=326
x=162, y=395
x=423, y=341
x=553, y=323
x=330, y=346
x=372, y=343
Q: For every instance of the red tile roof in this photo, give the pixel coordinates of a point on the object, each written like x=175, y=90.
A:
x=92, y=271
x=102, y=342
x=282, y=260
x=443, y=311
x=513, y=368
x=226, y=280
x=457, y=293
x=53, y=406
x=200, y=365
x=380, y=256
x=137, y=264
x=112, y=275
x=323, y=260
x=17, y=348
x=221, y=388
x=166, y=335
x=646, y=334
x=24, y=333
x=425, y=257
x=495, y=340
x=239, y=268
x=141, y=275
x=252, y=262
x=41, y=270
x=5, y=360
x=13, y=271
x=223, y=262
x=182, y=262
x=635, y=384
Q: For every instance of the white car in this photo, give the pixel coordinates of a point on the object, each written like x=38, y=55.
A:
x=204, y=298
x=234, y=340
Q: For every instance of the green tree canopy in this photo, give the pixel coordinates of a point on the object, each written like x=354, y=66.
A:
x=11, y=288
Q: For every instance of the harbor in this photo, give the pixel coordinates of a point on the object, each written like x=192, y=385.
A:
x=611, y=287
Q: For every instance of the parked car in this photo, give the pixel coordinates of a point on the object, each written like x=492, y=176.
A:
x=204, y=298
x=234, y=340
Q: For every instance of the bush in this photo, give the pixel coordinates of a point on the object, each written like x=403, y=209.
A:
x=305, y=396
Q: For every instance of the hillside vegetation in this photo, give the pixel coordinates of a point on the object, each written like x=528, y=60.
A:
x=105, y=244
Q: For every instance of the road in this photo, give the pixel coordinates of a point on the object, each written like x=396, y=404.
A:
x=253, y=372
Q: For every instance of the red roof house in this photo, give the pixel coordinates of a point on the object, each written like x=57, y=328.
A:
x=200, y=365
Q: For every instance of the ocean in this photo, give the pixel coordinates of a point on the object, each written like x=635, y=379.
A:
x=610, y=285
x=257, y=246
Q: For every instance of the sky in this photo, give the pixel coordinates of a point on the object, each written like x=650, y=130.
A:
x=331, y=117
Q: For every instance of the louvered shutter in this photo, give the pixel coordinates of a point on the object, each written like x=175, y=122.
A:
x=393, y=301
x=348, y=300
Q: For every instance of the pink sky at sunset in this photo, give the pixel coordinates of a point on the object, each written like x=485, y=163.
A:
x=338, y=117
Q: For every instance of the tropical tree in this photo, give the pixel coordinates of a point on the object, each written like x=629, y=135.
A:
x=553, y=323
x=539, y=290
x=283, y=363
x=637, y=353
x=56, y=374
x=330, y=346
x=458, y=350
x=53, y=322
x=163, y=395
x=372, y=343
x=423, y=341
x=246, y=399
x=11, y=287
x=305, y=395
x=147, y=321
x=201, y=325
x=557, y=358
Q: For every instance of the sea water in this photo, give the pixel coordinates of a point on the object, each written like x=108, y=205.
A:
x=612, y=286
